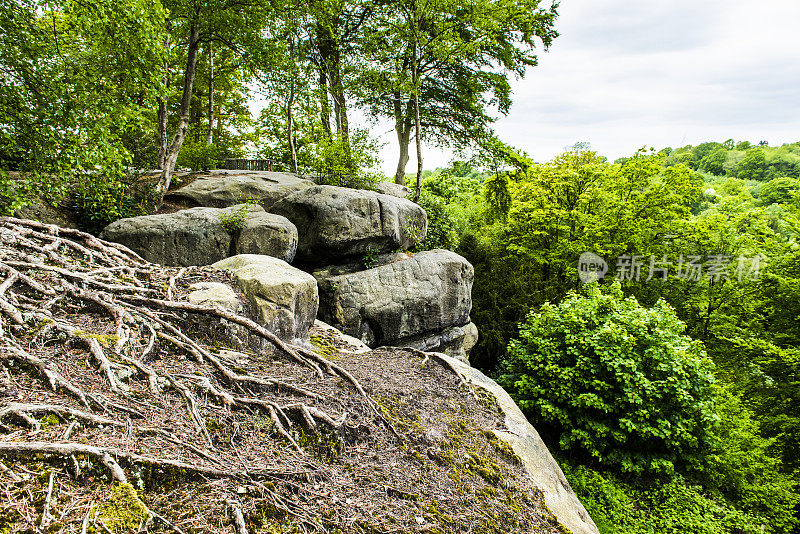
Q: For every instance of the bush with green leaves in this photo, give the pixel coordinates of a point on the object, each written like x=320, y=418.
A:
x=13, y=194
x=613, y=382
x=346, y=162
x=101, y=201
x=441, y=232
x=647, y=506
x=199, y=156
x=234, y=218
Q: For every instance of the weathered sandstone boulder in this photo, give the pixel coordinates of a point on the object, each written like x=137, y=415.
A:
x=198, y=236
x=215, y=294
x=523, y=438
x=391, y=188
x=222, y=188
x=403, y=297
x=335, y=223
x=283, y=298
x=340, y=340
x=455, y=341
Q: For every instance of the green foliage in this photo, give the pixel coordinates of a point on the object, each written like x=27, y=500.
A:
x=498, y=198
x=101, y=201
x=779, y=190
x=714, y=162
x=199, y=156
x=753, y=166
x=744, y=468
x=234, y=218
x=370, y=258
x=613, y=381
x=441, y=231
x=346, y=162
x=578, y=202
x=657, y=506
x=14, y=194
x=452, y=56
x=77, y=76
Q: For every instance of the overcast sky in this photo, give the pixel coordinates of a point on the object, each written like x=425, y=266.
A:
x=629, y=73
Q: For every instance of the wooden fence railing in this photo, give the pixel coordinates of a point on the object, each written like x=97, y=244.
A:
x=238, y=164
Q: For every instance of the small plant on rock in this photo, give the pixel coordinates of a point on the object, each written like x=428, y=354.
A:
x=415, y=232
x=370, y=256
x=234, y=218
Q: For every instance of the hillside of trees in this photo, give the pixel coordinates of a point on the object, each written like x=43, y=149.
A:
x=652, y=441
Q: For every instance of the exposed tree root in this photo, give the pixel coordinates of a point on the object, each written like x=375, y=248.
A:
x=109, y=373
x=109, y=458
x=68, y=293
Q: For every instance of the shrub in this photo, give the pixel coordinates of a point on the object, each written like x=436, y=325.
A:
x=199, y=156
x=346, y=163
x=613, y=381
x=655, y=505
x=13, y=194
x=234, y=218
x=441, y=232
x=101, y=201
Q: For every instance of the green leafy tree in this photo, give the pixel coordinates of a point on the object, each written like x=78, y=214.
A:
x=779, y=190
x=440, y=67
x=237, y=25
x=714, y=162
x=77, y=77
x=753, y=166
x=615, y=382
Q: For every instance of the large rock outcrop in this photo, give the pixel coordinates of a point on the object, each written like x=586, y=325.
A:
x=391, y=188
x=198, y=236
x=403, y=297
x=284, y=298
x=221, y=189
x=335, y=223
x=455, y=341
x=523, y=438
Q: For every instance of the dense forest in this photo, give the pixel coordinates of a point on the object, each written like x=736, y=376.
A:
x=668, y=389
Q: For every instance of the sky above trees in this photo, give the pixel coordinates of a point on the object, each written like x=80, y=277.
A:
x=666, y=73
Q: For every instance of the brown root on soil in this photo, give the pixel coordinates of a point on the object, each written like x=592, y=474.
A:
x=111, y=379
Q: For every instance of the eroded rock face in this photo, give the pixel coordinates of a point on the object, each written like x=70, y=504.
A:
x=391, y=188
x=406, y=296
x=455, y=341
x=284, y=298
x=337, y=223
x=214, y=294
x=198, y=236
x=523, y=438
x=222, y=188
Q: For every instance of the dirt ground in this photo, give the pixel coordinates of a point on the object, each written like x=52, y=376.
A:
x=223, y=430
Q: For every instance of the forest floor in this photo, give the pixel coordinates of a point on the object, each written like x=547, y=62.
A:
x=124, y=408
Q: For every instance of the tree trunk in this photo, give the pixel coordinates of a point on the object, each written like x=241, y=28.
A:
x=185, y=109
x=325, y=106
x=339, y=103
x=402, y=126
x=330, y=68
x=404, y=139
x=210, y=133
x=162, y=111
x=290, y=114
x=162, y=132
x=417, y=128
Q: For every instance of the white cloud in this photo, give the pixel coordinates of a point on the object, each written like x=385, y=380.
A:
x=628, y=73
